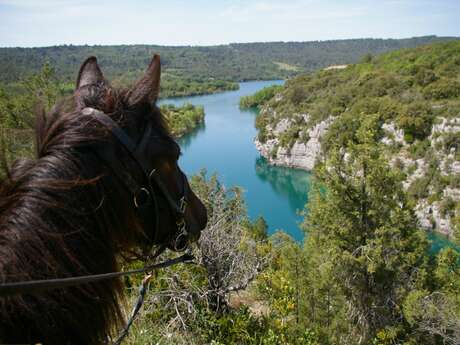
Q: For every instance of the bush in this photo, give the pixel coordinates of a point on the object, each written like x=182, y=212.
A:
x=297, y=95
x=447, y=207
x=425, y=76
x=442, y=89
x=416, y=120
x=260, y=97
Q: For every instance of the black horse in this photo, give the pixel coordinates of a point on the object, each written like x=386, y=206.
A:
x=105, y=184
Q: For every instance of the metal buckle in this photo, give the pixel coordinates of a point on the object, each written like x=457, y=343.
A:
x=151, y=173
x=143, y=191
x=182, y=204
x=182, y=235
x=180, y=223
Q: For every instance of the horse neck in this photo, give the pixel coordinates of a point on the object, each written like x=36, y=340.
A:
x=63, y=216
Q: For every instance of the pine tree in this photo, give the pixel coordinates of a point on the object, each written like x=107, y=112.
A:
x=360, y=225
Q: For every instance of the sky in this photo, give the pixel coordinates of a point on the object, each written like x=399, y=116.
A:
x=37, y=23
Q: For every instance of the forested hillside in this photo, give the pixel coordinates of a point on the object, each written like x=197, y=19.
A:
x=234, y=62
x=413, y=99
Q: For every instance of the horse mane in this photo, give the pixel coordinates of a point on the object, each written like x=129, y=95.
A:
x=63, y=214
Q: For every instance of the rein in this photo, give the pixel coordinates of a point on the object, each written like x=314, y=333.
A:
x=35, y=286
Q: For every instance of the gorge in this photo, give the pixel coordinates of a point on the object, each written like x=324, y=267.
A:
x=417, y=123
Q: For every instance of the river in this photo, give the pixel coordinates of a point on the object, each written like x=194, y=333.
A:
x=224, y=145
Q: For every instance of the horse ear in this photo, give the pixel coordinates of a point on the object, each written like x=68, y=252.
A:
x=148, y=87
x=89, y=73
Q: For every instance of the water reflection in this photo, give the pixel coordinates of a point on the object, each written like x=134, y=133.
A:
x=187, y=139
x=293, y=184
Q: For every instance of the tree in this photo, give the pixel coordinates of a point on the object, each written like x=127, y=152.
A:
x=367, y=233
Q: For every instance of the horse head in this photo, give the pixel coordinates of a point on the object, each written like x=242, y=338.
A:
x=166, y=207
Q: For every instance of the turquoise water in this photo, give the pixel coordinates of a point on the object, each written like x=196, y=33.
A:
x=439, y=242
x=224, y=145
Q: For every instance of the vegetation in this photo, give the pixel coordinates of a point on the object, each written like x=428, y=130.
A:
x=42, y=90
x=197, y=70
x=410, y=90
x=178, y=87
x=235, y=62
x=362, y=275
x=191, y=304
x=184, y=119
x=394, y=85
x=363, y=232
x=260, y=97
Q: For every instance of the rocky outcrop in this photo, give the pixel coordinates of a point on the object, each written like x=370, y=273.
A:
x=430, y=217
x=302, y=155
x=429, y=212
x=393, y=134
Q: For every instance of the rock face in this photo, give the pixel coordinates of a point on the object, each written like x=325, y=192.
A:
x=304, y=154
x=393, y=135
x=301, y=155
x=430, y=218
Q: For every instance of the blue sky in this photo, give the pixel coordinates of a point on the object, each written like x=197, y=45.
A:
x=30, y=23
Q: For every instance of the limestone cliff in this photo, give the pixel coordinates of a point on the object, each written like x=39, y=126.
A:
x=304, y=153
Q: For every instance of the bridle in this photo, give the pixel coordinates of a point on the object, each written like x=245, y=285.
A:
x=146, y=205
x=145, y=197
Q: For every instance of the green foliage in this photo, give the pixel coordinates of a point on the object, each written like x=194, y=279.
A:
x=444, y=88
x=172, y=86
x=190, y=302
x=416, y=120
x=451, y=142
x=447, y=207
x=182, y=120
x=17, y=109
x=260, y=97
x=259, y=229
x=297, y=95
x=367, y=58
x=233, y=62
x=403, y=87
x=363, y=229
x=434, y=311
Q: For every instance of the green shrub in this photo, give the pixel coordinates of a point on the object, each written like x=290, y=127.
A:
x=419, y=188
x=297, y=95
x=416, y=119
x=260, y=97
x=447, y=207
x=442, y=89
x=420, y=148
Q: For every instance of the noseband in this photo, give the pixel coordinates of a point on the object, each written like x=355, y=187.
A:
x=145, y=198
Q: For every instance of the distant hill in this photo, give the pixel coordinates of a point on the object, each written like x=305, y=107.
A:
x=233, y=62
